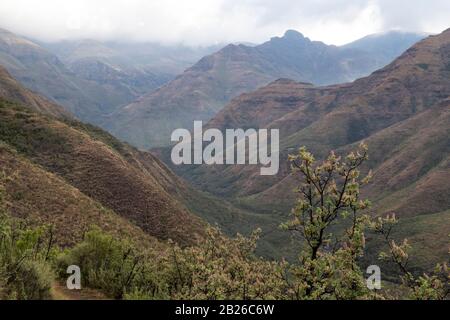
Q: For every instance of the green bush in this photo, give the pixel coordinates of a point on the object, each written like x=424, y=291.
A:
x=25, y=255
x=112, y=265
x=222, y=268
x=25, y=269
x=32, y=280
x=217, y=268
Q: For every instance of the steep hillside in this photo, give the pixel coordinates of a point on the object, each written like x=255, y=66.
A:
x=40, y=197
x=202, y=90
x=114, y=175
x=402, y=111
x=73, y=175
x=82, y=168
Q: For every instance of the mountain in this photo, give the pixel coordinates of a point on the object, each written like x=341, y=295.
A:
x=43, y=72
x=40, y=197
x=94, y=61
x=401, y=111
x=131, y=69
x=385, y=46
x=168, y=60
x=11, y=90
x=89, y=78
x=202, y=90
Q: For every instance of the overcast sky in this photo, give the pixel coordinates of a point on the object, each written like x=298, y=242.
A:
x=204, y=22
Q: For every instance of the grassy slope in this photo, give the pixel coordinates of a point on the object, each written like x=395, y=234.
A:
x=102, y=168
x=114, y=174
x=40, y=197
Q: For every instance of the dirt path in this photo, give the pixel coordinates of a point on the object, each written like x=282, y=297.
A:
x=59, y=291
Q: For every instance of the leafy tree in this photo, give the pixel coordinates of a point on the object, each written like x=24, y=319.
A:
x=425, y=287
x=329, y=193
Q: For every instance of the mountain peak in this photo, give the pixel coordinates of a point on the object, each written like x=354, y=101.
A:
x=293, y=34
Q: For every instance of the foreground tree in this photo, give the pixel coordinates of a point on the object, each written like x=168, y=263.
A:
x=332, y=218
x=434, y=286
x=329, y=195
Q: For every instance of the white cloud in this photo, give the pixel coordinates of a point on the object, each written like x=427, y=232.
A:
x=211, y=21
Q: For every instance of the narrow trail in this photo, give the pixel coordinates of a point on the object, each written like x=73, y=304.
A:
x=59, y=291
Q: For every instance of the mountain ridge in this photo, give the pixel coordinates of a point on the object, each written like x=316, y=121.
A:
x=202, y=90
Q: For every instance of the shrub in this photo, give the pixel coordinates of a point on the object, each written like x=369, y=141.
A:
x=25, y=273
x=32, y=280
x=329, y=193
x=25, y=257
x=222, y=268
x=109, y=264
x=218, y=268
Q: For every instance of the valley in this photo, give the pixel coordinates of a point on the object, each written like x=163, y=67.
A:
x=400, y=111
x=87, y=147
